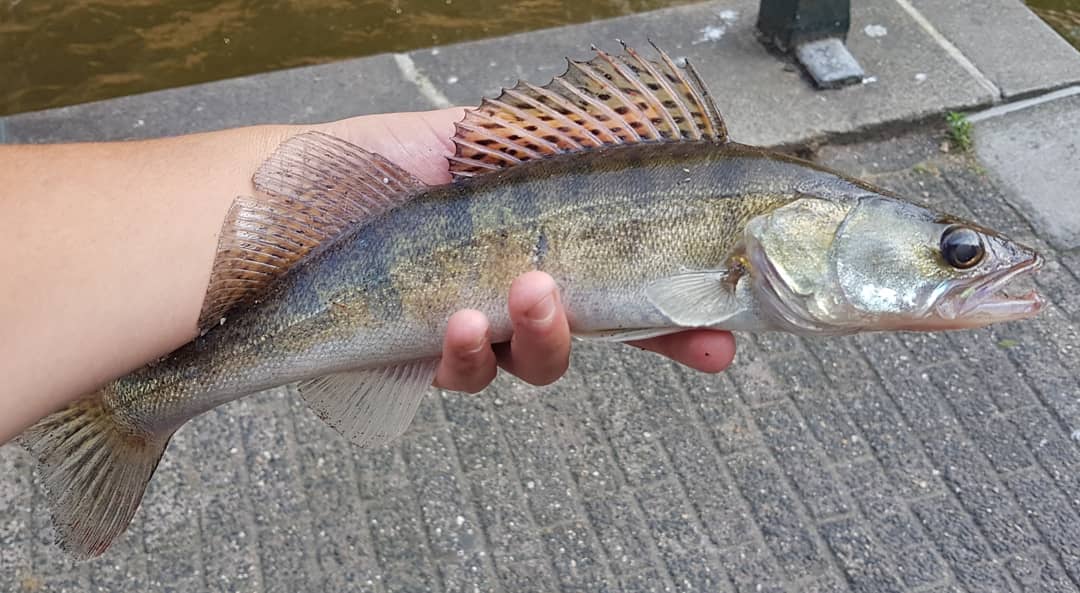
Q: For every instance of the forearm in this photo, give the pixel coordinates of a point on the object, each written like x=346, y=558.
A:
x=106, y=252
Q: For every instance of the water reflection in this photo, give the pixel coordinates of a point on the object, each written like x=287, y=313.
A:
x=58, y=52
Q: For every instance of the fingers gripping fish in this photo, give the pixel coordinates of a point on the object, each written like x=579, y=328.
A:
x=617, y=178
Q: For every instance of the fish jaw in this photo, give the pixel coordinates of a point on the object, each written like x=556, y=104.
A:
x=989, y=301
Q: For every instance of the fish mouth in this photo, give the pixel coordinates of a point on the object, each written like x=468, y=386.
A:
x=993, y=298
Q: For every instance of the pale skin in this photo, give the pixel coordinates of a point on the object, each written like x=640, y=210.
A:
x=107, y=249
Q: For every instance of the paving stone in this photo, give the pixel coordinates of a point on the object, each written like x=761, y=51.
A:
x=787, y=534
x=622, y=532
x=696, y=571
x=722, y=414
x=1049, y=510
x=981, y=494
x=275, y=491
x=758, y=384
x=1043, y=61
x=548, y=487
x=999, y=378
x=528, y=576
x=894, y=444
x=650, y=581
x=691, y=559
x=817, y=402
x=920, y=567
x=1037, y=570
x=752, y=568
x=777, y=343
x=920, y=401
x=825, y=584
x=448, y=519
x=476, y=434
x=400, y=547
x=796, y=451
x=16, y=506
x=579, y=565
x=713, y=496
x=1055, y=451
x=839, y=359
x=504, y=516
x=860, y=562
x=961, y=545
x=874, y=157
x=631, y=432
x=973, y=184
x=1034, y=153
x=467, y=573
x=169, y=519
x=228, y=530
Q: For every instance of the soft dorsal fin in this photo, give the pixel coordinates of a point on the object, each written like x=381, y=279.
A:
x=313, y=188
x=606, y=101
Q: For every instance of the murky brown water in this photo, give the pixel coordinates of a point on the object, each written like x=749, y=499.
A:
x=59, y=52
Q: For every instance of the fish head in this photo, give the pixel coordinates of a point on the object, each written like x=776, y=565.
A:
x=878, y=263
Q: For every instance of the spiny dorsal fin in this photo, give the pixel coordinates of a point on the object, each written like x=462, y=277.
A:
x=606, y=101
x=314, y=187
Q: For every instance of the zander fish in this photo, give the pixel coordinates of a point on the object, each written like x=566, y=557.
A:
x=617, y=178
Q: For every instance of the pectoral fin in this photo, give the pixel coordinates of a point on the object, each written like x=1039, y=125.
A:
x=370, y=407
x=695, y=299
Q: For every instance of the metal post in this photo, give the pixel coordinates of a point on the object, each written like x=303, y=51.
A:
x=814, y=30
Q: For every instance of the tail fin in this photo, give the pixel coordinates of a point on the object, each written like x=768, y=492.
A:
x=95, y=471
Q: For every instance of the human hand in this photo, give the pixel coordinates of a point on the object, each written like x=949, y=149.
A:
x=539, y=350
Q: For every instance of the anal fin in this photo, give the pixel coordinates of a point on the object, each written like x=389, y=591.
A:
x=370, y=407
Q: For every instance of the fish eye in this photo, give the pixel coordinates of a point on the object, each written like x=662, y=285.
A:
x=961, y=247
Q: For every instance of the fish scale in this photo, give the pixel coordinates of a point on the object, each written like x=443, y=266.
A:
x=617, y=179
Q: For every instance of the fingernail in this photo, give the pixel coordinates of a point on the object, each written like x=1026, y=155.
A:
x=543, y=312
x=478, y=346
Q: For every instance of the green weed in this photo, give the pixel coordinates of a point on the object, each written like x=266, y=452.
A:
x=959, y=131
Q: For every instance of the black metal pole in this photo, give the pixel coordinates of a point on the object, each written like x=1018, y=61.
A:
x=814, y=31
x=787, y=23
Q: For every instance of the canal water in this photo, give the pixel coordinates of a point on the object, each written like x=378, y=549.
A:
x=60, y=52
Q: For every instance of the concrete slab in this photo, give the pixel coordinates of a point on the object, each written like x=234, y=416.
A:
x=909, y=76
x=980, y=29
x=300, y=95
x=1036, y=154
